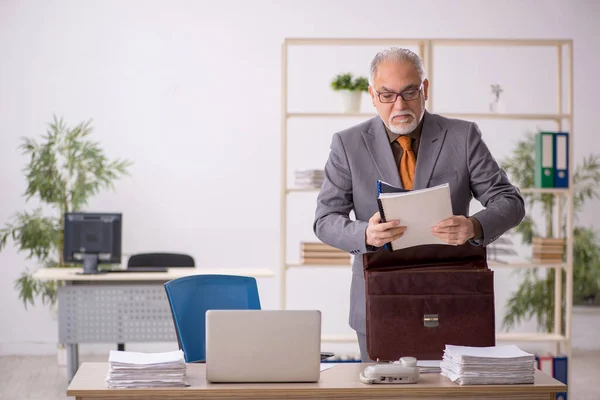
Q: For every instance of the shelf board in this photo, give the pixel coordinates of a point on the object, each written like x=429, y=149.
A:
x=356, y=41
x=505, y=116
x=339, y=338
x=530, y=337
x=565, y=191
x=556, y=191
x=496, y=264
x=541, y=117
x=300, y=190
x=298, y=265
x=329, y=115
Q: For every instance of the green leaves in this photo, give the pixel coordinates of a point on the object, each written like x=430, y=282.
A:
x=29, y=288
x=65, y=169
x=521, y=167
x=361, y=84
x=586, y=179
x=346, y=81
x=33, y=233
x=535, y=295
x=534, y=298
x=586, y=256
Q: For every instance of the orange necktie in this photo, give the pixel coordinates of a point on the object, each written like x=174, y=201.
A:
x=407, y=163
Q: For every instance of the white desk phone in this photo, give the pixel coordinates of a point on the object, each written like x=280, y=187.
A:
x=405, y=371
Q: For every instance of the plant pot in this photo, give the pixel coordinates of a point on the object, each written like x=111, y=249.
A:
x=61, y=355
x=497, y=107
x=350, y=101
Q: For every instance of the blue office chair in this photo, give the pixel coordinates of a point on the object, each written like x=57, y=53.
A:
x=191, y=296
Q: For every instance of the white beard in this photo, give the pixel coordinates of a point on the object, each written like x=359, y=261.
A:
x=403, y=129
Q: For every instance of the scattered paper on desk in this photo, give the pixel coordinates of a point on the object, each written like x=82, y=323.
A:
x=418, y=210
x=496, y=365
x=128, y=369
x=325, y=366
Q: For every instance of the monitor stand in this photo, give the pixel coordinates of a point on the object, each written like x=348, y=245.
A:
x=90, y=265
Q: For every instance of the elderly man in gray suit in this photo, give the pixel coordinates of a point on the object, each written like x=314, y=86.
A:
x=408, y=147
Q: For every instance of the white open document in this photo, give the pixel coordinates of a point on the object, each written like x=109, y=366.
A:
x=418, y=210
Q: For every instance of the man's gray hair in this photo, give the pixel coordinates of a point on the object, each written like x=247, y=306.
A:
x=396, y=54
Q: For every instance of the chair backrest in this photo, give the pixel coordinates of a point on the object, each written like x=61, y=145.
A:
x=191, y=296
x=170, y=260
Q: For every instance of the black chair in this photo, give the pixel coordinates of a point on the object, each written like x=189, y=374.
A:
x=170, y=260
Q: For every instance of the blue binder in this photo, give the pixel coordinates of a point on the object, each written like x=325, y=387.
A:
x=561, y=159
x=560, y=374
x=384, y=187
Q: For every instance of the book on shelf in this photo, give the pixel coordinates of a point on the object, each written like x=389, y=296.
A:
x=547, y=250
x=551, y=160
x=325, y=261
x=317, y=253
x=318, y=246
x=310, y=178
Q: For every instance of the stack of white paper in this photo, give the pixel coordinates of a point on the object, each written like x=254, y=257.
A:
x=129, y=369
x=498, y=365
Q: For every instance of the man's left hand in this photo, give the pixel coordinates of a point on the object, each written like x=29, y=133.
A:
x=454, y=230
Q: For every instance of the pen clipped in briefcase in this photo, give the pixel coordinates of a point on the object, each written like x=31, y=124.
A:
x=421, y=298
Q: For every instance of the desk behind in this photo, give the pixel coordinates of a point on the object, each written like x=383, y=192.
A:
x=73, y=274
x=339, y=382
x=119, y=307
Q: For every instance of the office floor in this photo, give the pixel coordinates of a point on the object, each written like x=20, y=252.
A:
x=39, y=377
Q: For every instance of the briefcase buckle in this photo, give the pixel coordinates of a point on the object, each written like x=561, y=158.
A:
x=430, y=320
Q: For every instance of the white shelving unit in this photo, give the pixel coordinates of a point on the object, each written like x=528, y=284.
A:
x=563, y=115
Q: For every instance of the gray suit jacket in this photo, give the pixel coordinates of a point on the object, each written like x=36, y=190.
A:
x=450, y=150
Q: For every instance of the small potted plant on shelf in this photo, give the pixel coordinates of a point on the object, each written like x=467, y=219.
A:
x=350, y=90
x=496, y=104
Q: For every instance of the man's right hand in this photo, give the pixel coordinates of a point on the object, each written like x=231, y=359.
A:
x=379, y=233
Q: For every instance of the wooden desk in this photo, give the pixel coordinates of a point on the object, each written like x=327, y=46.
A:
x=120, y=307
x=339, y=382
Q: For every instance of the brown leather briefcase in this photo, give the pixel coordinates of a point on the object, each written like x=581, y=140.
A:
x=421, y=298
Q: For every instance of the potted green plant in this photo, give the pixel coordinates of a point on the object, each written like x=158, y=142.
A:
x=64, y=171
x=534, y=298
x=350, y=89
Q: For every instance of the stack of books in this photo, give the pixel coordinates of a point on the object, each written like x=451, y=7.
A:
x=128, y=369
x=547, y=250
x=317, y=253
x=309, y=178
x=496, y=365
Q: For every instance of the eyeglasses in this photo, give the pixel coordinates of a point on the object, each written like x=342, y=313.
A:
x=407, y=95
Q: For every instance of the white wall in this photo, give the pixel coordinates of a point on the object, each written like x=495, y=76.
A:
x=157, y=78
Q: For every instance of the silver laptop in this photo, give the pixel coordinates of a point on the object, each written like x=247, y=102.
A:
x=263, y=345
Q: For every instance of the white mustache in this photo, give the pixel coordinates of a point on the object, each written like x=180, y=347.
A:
x=401, y=113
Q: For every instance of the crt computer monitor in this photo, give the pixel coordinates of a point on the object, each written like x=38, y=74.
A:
x=92, y=239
